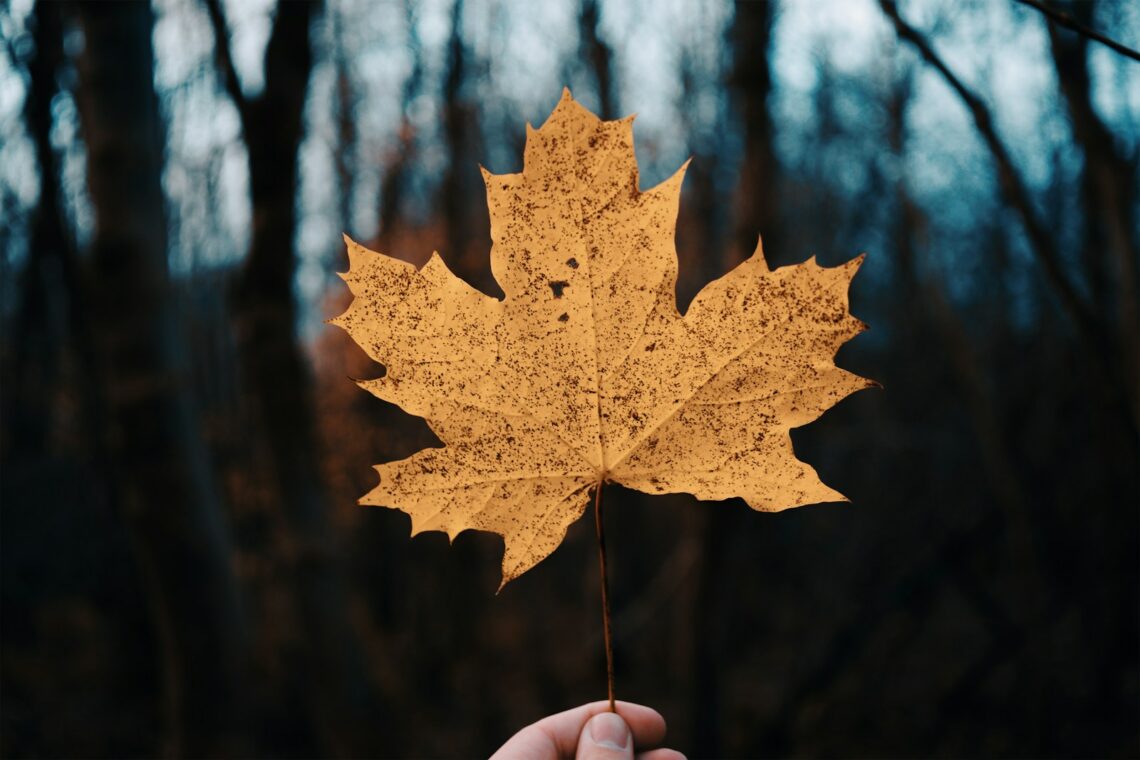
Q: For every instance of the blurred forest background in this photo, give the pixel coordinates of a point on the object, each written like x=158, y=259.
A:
x=184, y=569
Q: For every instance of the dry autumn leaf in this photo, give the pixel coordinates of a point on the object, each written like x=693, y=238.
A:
x=586, y=373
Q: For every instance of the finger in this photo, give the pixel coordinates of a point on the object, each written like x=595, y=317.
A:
x=605, y=737
x=557, y=735
x=647, y=725
x=659, y=754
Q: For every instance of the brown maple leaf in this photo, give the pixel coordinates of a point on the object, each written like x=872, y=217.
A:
x=586, y=373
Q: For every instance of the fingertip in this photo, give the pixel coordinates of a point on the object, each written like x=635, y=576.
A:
x=647, y=724
x=563, y=729
x=608, y=730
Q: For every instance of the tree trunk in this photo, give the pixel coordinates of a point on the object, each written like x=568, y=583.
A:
x=757, y=200
x=393, y=186
x=594, y=49
x=277, y=398
x=161, y=466
x=467, y=226
x=1110, y=255
x=750, y=83
x=1108, y=198
x=38, y=328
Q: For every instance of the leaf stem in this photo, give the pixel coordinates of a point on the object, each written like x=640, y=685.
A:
x=600, y=527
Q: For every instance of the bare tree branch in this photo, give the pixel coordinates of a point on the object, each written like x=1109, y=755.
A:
x=1068, y=21
x=1010, y=181
x=225, y=60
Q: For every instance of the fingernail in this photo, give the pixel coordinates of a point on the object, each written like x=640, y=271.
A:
x=609, y=730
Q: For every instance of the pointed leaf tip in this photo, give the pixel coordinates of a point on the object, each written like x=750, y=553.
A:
x=855, y=264
x=758, y=254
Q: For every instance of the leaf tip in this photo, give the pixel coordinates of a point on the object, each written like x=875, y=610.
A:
x=758, y=254
x=671, y=187
x=435, y=267
x=356, y=255
x=507, y=577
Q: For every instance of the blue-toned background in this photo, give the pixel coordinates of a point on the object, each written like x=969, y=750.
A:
x=183, y=568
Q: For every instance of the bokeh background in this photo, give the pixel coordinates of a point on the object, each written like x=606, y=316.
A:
x=184, y=569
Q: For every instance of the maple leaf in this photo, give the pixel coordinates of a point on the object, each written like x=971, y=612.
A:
x=586, y=373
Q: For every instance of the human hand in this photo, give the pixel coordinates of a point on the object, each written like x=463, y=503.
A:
x=591, y=732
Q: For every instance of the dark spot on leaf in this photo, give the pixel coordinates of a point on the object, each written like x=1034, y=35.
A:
x=564, y=318
x=572, y=263
x=557, y=286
